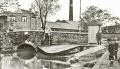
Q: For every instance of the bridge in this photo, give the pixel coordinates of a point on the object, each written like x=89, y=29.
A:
x=60, y=48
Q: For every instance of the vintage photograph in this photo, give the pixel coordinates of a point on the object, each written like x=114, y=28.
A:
x=59, y=34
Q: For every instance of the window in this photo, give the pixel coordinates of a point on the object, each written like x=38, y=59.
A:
x=24, y=19
x=13, y=18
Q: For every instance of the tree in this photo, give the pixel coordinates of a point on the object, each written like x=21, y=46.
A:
x=6, y=4
x=94, y=13
x=115, y=20
x=43, y=8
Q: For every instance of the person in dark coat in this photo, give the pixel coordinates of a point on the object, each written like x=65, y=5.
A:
x=111, y=51
x=98, y=37
x=116, y=45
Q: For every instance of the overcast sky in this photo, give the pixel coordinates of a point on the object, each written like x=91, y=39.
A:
x=62, y=14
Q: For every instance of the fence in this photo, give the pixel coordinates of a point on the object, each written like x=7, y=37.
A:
x=110, y=35
x=69, y=38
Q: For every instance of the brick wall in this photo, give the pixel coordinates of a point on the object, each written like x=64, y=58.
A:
x=69, y=38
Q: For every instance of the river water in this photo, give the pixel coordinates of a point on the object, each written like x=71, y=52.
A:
x=14, y=62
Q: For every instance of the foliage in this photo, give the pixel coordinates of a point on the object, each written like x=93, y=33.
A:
x=17, y=38
x=100, y=15
x=43, y=8
x=115, y=20
x=6, y=4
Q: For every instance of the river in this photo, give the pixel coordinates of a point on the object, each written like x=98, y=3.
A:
x=14, y=62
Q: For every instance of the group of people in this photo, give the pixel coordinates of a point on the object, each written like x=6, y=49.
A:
x=113, y=50
x=112, y=47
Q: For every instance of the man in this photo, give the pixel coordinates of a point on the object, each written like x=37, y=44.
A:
x=115, y=48
x=98, y=37
x=111, y=51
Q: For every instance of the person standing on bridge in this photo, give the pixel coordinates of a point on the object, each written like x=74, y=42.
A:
x=111, y=51
x=98, y=37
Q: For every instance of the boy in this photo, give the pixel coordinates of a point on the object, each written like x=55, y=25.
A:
x=111, y=51
x=115, y=48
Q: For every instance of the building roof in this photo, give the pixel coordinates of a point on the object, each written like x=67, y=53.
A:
x=22, y=11
x=111, y=29
x=62, y=25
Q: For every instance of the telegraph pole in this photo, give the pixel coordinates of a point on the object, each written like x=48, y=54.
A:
x=71, y=10
x=80, y=27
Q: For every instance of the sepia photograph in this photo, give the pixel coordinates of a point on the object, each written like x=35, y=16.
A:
x=59, y=34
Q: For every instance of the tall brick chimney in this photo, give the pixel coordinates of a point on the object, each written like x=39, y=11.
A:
x=71, y=10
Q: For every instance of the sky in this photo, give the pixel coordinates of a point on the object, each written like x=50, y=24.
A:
x=63, y=12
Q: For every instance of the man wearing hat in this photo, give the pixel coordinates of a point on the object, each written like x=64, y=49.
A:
x=111, y=51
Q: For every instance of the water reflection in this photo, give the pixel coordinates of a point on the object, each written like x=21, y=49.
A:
x=14, y=62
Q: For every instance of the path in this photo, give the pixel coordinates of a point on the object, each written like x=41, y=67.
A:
x=103, y=62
